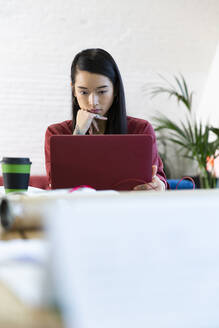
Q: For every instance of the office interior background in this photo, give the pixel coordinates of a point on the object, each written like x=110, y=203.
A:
x=39, y=39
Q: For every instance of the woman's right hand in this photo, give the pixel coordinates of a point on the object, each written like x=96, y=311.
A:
x=84, y=121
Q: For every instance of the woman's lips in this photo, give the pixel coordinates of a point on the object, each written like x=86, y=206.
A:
x=95, y=111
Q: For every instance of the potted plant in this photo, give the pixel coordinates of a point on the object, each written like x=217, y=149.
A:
x=192, y=136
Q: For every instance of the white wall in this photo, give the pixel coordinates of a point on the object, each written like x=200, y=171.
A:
x=38, y=40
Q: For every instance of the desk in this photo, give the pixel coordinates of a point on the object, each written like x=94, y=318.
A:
x=15, y=314
x=156, y=251
x=29, y=234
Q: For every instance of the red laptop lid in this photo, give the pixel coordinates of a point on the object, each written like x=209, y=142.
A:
x=118, y=162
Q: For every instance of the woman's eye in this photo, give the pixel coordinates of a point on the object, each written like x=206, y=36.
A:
x=99, y=92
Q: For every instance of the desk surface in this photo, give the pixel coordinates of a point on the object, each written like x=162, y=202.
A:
x=15, y=314
x=29, y=234
x=181, y=210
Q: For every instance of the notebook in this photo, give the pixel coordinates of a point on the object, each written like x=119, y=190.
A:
x=118, y=162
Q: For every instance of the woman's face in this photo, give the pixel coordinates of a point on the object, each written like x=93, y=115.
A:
x=94, y=92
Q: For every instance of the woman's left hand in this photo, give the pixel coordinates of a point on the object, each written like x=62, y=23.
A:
x=155, y=184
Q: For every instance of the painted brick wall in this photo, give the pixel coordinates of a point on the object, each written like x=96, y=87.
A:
x=38, y=40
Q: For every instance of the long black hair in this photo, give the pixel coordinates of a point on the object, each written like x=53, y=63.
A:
x=99, y=61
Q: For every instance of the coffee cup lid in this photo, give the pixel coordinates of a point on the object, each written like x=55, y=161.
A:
x=16, y=160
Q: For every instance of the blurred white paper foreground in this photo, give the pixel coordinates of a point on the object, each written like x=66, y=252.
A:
x=138, y=260
x=23, y=265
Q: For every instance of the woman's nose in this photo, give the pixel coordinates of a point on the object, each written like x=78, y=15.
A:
x=93, y=99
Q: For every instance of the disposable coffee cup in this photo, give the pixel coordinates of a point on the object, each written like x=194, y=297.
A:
x=16, y=173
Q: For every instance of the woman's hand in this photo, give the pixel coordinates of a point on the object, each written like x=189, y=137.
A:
x=155, y=184
x=84, y=121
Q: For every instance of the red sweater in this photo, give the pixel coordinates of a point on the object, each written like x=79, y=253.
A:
x=135, y=126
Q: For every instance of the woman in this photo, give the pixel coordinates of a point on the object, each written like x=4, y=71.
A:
x=98, y=107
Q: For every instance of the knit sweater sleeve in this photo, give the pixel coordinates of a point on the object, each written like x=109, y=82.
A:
x=139, y=126
x=156, y=160
x=54, y=129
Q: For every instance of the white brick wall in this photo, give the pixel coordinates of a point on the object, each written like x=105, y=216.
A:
x=38, y=40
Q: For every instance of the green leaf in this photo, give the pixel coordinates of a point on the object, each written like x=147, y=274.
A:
x=182, y=95
x=180, y=86
x=191, y=136
x=165, y=123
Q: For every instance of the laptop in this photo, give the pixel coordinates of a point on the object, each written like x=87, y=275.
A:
x=118, y=162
